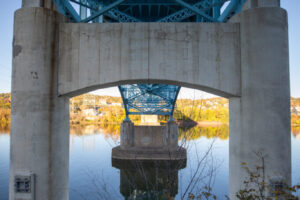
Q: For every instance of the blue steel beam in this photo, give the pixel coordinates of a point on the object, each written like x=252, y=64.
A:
x=71, y=11
x=186, y=13
x=121, y=17
x=82, y=3
x=65, y=7
x=195, y=10
x=103, y=10
x=216, y=9
x=112, y=13
x=83, y=9
x=157, y=10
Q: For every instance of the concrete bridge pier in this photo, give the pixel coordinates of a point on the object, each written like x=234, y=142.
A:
x=260, y=118
x=39, y=154
x=149, y=142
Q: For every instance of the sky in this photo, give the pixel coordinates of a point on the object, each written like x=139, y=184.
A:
x=6, y=35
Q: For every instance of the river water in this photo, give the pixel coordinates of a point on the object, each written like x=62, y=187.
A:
x=93, y=177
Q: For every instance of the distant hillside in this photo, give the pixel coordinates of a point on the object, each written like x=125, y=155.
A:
x=90, y=108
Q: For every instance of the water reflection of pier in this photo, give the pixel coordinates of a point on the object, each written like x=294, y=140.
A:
x=151, y=179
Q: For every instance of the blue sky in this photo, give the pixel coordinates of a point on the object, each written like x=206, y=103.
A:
x=6, y=34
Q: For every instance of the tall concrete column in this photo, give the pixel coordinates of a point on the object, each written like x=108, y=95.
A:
x=39, y=118
x=260, y=118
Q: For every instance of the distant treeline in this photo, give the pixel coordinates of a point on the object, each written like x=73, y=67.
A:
x=210, y=110
x=106, y=111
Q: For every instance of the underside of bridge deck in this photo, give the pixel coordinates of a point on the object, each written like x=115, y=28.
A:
x=99, y=11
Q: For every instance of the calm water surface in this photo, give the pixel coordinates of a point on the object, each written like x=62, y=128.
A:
x=93, y=177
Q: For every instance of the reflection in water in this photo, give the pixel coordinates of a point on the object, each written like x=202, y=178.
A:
x=196, y=132
x=89, y=133
x=112, y=131
x=296, y=131
x=90, y=161
x=4, y=129
x=155, y=179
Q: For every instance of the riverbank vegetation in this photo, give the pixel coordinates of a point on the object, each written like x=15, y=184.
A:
x=88, y=109
x=5, y=100
x=107, y=112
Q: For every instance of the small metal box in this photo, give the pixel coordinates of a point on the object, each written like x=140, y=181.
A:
x=24, y=183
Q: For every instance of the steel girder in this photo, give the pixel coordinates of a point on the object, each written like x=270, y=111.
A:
x=149, y=10
x=149, y=99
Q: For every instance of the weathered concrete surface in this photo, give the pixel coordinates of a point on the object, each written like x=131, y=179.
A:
x=260, y=3
x=172, y=134
x=39, y=119
x=127, y=134
x=260, y=119
x=38, y=3
x=156, y=136
x=150, y=137
x=149, y=142
x=197, y=55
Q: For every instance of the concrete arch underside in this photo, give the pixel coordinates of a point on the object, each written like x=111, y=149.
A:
x=195, y=55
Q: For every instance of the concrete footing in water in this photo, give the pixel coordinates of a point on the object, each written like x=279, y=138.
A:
x=149, y=142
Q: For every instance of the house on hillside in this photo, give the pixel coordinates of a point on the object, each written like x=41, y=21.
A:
x=116, y=104
x=295, y=110
x=102, y=102
x=90, y=113
x=74, y=105
x=88, y=101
